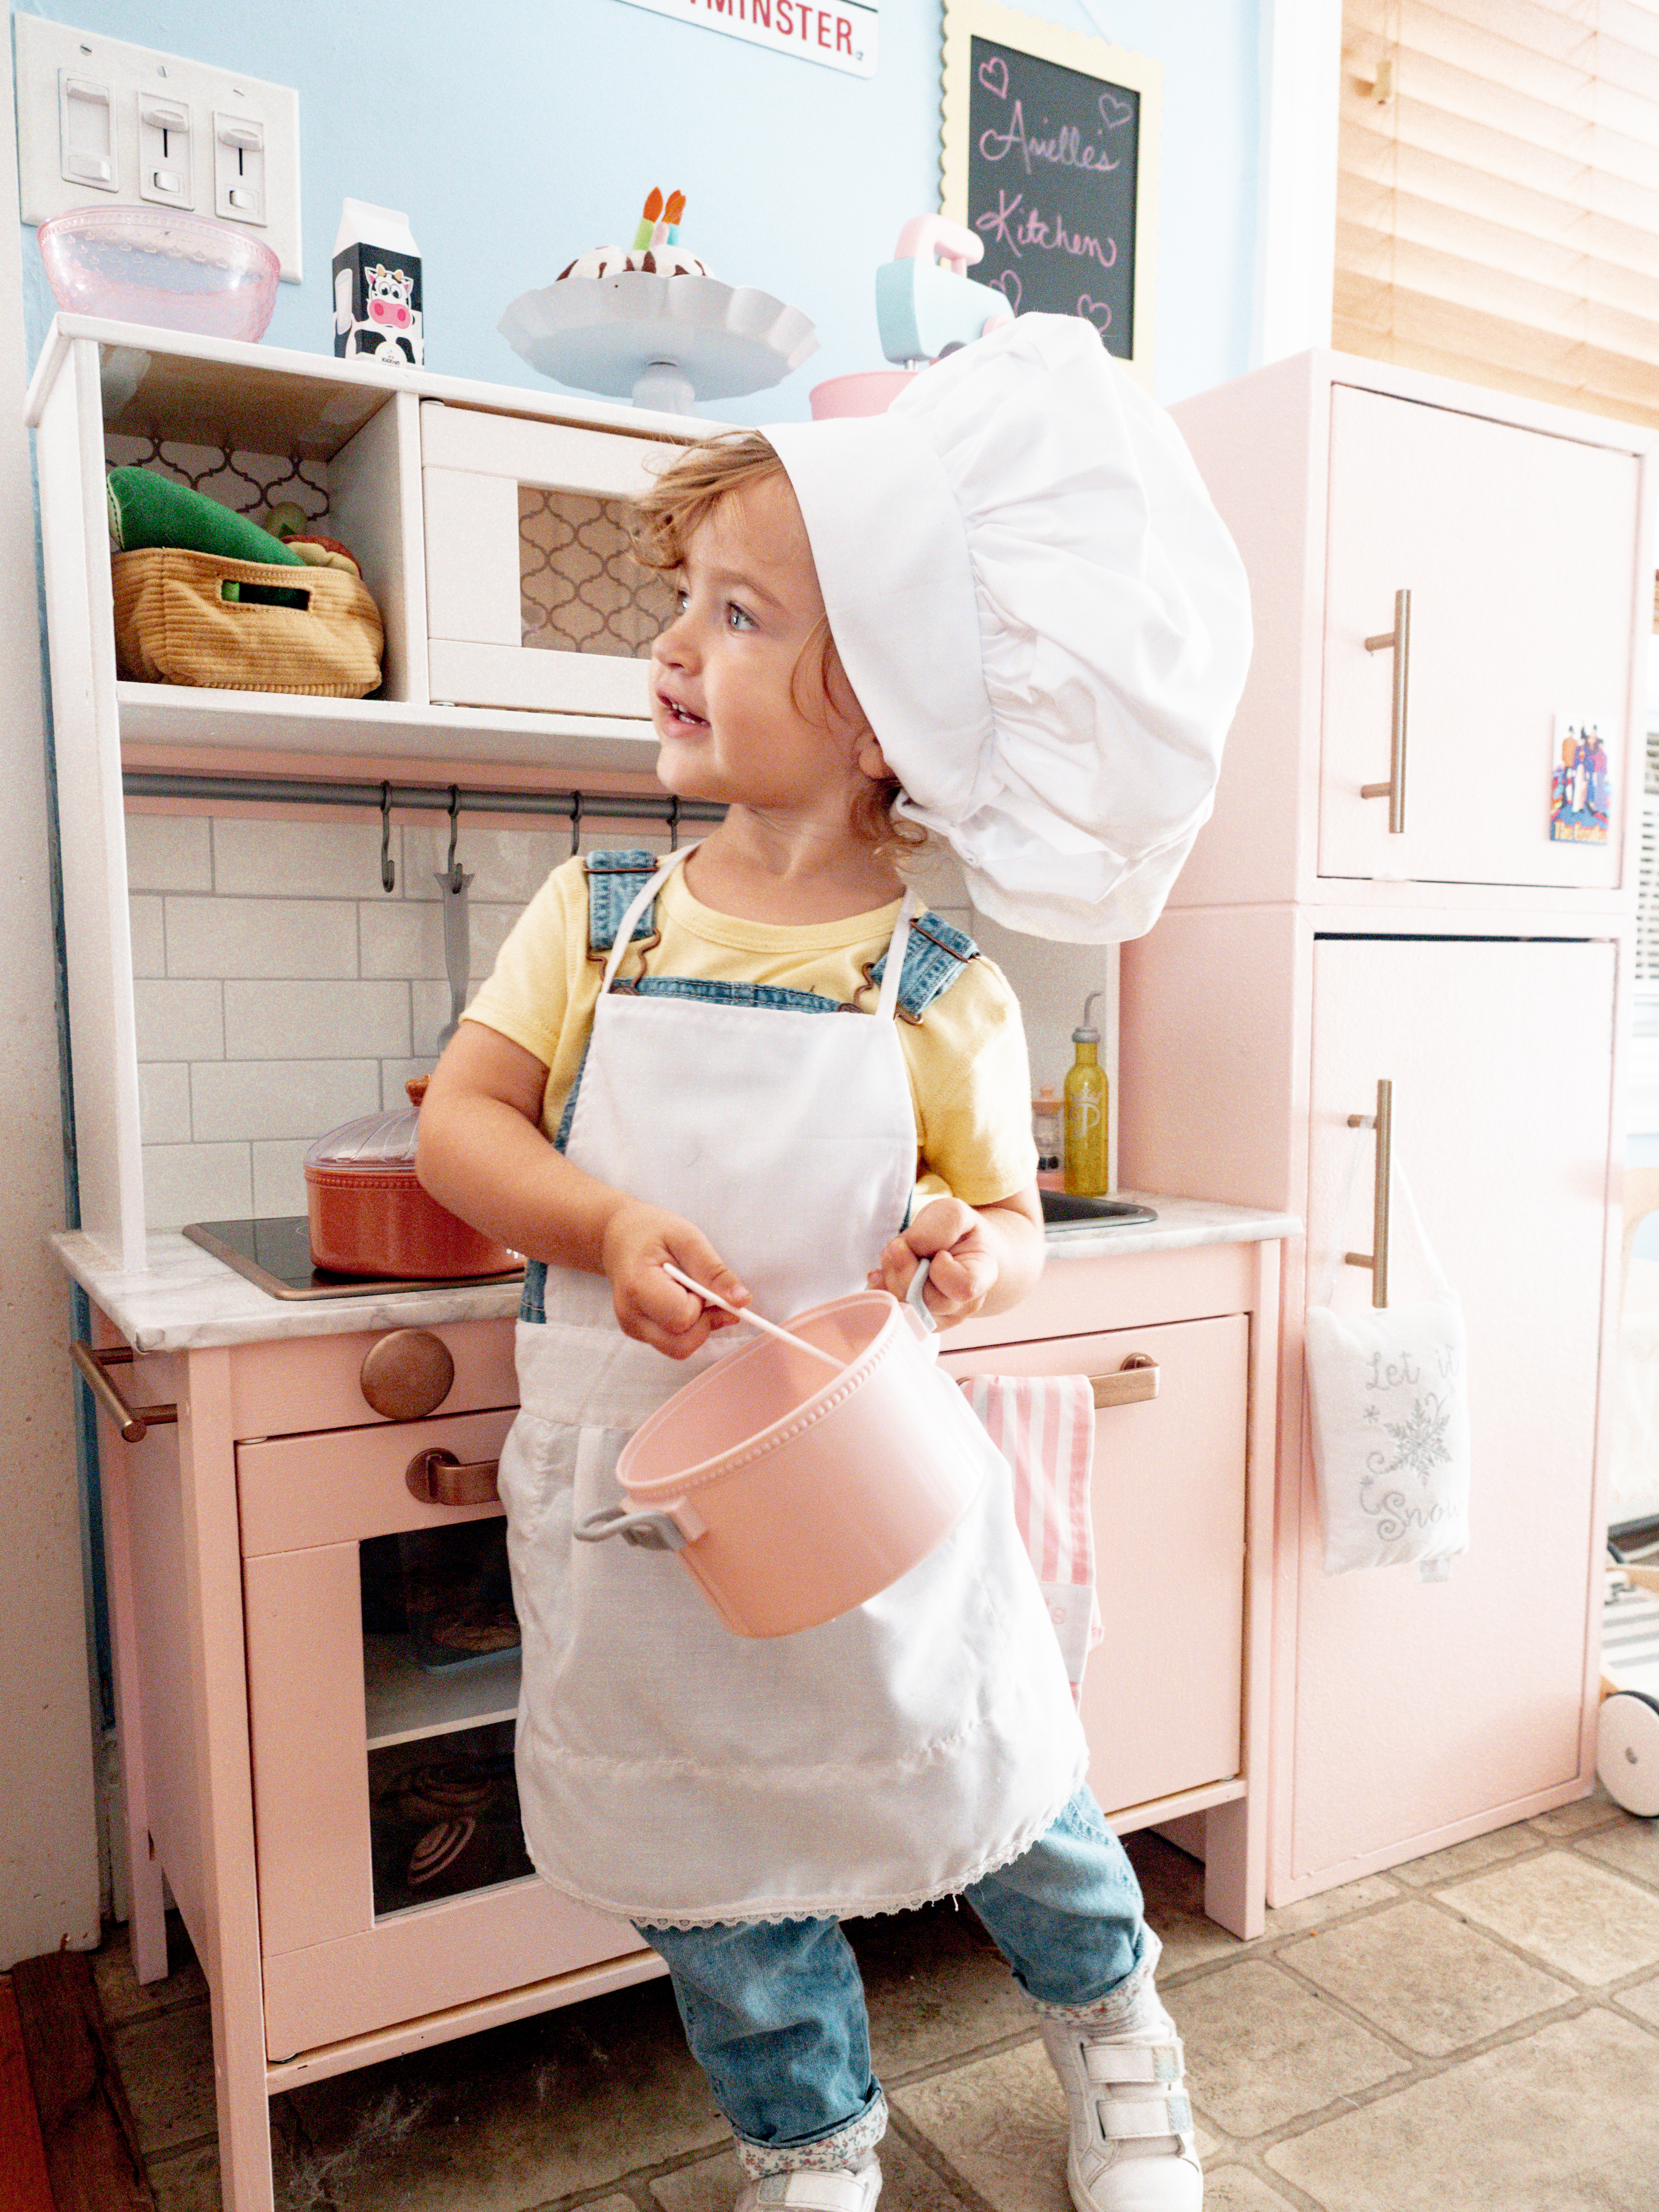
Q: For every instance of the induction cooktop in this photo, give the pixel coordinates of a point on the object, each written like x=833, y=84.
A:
x=274, y=1252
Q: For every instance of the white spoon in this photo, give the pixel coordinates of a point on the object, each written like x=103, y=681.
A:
x=754, y=1320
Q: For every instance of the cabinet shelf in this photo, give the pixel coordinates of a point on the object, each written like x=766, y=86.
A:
x=403, y=1703
x=197, y=720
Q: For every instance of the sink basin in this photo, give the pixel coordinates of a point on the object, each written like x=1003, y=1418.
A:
x=1061, y=1210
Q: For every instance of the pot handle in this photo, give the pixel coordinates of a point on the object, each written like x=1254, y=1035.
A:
x=651, y=1532
x=916, y=1302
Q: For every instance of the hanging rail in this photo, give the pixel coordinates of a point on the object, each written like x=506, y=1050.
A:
x=574, y=806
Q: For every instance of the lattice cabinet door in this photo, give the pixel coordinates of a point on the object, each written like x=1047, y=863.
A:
x=533, y=597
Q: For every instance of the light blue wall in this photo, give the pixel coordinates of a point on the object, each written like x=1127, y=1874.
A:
x=516, y=132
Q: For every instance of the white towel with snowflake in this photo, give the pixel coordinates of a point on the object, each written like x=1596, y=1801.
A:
x=1388, y=1389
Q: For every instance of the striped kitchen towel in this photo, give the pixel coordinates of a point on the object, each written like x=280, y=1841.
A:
x=1044, y=1427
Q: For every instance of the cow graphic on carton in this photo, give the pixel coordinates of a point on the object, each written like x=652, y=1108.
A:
x=377, y=306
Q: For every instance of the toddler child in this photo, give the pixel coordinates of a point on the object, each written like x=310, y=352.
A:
x=879, y=624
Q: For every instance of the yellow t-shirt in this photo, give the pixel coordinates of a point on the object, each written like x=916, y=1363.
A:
x=970, y=1080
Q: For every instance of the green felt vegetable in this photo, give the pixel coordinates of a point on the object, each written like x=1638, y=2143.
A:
x=147, y=509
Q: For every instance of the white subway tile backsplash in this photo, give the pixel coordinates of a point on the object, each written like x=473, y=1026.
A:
x=285, y=994
x=258, y=938
x=509, y=865
x=395, y=1073
x=342, y=1019
x=401, y=939
x=164, y=1103
x=248, y=1099
x=197, y=1182
x=279, y=1183
x=488, y=933
x=179, y=1020
x=431, y=1003
x=149, y=956
x=298, y=859
x=169, y=853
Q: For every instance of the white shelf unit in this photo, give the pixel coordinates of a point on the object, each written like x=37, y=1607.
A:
x=568, y=713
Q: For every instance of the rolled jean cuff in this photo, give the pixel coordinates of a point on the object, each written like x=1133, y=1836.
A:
x=844, y=2146
x=1116, y=2007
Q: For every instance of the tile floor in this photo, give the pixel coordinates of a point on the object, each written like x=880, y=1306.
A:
x=1476, y=2032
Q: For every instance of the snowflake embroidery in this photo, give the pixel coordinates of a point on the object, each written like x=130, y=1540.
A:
x=1373, y=1414
x=1419, y=1440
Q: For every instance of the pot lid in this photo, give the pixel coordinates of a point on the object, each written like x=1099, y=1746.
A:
x=375, y=1144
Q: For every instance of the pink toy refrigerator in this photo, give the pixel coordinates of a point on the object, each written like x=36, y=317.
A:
x=1421, y=869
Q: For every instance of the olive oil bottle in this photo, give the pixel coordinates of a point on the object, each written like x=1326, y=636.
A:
x=1086, y=1164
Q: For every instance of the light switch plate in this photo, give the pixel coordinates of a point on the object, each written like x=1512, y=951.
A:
x=216, y=100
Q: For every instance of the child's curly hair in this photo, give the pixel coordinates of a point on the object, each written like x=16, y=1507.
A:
x=662, y=522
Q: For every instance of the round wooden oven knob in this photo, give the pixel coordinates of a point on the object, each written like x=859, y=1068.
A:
x=408, y=1374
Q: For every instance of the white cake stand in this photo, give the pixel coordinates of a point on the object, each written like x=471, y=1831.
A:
x=662, y=342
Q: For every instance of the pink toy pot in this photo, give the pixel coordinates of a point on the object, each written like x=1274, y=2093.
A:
x=792, y=1494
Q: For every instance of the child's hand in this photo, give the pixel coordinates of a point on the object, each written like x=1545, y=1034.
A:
x=965, y=1267
x=650, y=1305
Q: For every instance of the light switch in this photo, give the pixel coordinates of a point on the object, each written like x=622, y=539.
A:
x=98, y=116
x=165, y=155
x=239, y=168
x=86, y=131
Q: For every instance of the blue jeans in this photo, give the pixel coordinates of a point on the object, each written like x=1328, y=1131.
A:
x=773, y=2010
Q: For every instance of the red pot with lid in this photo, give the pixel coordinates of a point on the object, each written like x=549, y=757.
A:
x=370, y=1215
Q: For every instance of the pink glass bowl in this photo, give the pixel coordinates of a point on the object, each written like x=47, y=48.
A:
x=135, y=264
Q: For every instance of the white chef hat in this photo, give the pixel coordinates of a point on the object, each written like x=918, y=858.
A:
x=1042, y=616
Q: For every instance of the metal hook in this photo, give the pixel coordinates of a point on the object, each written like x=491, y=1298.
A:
x=575, y=823
x=453, y=880
x=388, y=866
x=674, y=821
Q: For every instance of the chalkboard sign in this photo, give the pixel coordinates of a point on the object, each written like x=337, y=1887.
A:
x=1050, y=158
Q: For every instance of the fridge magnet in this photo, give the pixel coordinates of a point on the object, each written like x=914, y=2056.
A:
x=1580, y=783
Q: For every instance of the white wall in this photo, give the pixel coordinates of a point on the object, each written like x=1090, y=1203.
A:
x=48, y=1848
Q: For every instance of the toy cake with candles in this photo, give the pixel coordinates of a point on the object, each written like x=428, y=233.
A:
x=654, y=252
x=648, y=321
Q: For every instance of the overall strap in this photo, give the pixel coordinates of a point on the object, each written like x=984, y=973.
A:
x=936, y=955
x=612, y=880
x=641, y=899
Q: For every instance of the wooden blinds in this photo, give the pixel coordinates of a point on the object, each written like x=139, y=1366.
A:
x=1497, y=209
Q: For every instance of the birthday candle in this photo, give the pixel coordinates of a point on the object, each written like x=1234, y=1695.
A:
x=653, y=210
x=671, y=214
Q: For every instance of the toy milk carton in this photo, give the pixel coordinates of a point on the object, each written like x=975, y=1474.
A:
x=377, y=286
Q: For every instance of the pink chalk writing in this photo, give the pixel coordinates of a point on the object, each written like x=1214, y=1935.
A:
x=1007, y=226
x=1066, y=150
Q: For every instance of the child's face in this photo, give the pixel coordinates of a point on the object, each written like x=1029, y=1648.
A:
x=726, y=701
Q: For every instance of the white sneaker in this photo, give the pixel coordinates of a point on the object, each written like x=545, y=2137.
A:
x=1131, y=2125
x=807, y=2189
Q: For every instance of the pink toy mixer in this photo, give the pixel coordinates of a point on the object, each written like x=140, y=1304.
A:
x=925, y=302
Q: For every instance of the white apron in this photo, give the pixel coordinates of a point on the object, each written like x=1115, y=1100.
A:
x=670, y=1771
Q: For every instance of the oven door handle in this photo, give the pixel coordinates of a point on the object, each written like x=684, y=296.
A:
x=438, y=1477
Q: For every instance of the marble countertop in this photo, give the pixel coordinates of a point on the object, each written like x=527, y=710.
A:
x=185, y=1299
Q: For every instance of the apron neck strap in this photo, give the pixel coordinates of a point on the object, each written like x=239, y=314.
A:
x=893, y=974
x=625, y=928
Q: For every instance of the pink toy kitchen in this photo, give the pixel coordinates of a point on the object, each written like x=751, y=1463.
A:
x=1260, y=737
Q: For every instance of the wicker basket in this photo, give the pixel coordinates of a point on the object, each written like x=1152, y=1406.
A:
x=174, y=625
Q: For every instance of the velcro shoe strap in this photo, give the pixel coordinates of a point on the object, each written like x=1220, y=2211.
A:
x=1129, y=2119
x=805, y=2190
x=1132, y=2062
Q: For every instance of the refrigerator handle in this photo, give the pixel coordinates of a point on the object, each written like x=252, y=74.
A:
x=1399, y=639
x=1378, y=1258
